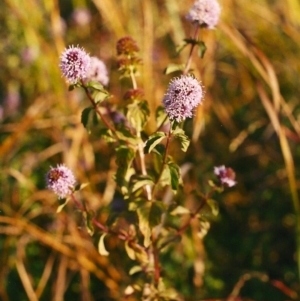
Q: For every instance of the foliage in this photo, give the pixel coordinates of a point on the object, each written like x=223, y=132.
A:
x=249, y=67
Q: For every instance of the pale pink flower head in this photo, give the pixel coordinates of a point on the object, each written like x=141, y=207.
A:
x=184, y=94
x=226, y=175
x=97, y=72
x=81, y=16
x=74, y=64
x=205, y=13
x=61, y=181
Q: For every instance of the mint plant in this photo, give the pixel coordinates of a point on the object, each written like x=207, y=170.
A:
x=146, y=171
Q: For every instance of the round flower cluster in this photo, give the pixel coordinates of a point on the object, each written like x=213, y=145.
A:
x=97, y=71
x=127, y=45
x=226, y=175
x=206, y=13
x=61, y=181
x=183, y=95
x=74, y=64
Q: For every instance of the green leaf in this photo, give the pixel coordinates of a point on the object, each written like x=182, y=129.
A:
x=96, y=86
x=153, y=140
x=214, y=206
x=124, y=158
x=182, y=137
x=166, y=294
x=160, y=116
x=137, y=114
x=156, y=211
x=180, y=210
x=140, y=182
x=135, y=269
x=170, y=175
x=130, y=251
x=201, y=49
x=159, y=150
x=60, y=207
x=73, y=86
x=124, y=134
x=174, y=174
x=170, y=238
x=99, y=96
x=211, y=183
x=143, y=216
x=81, y=186
x=180, y=47
x=107, y=135
x=101, y=247
x=173, y=68
x=191, y=41
x=204, y=227
x=88, y=222
x=85, y=116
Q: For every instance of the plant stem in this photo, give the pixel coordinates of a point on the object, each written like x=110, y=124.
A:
x=107, y=124
x=141, y=146
x=189, y=61
x=164, y=161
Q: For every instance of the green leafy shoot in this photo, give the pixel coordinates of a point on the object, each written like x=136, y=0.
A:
x=137, y=114
x=182, y=137
x=140, y=182
x=153, y=140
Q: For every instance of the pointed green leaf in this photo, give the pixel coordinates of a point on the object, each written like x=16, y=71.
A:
x=81, y=186
x=180, y=47
x=99, y=96
x=143, y=215
x=141, y=182
x=182, y=137
x=135, y=269
x=85, y=116
x=156, y=211
x=175, y=175
x=95, y=85
x=124, y=158
x=173, y=68
x=153, y=140
x=125, y=134
x=180, y=210
x=214, y=206
x=160, y=116
x=107, y=135
x=130, y=251
x=191, y=41
x=60, y=207
x=101, y=247
x=201, y=49
x=137, y=114
x=88, y=217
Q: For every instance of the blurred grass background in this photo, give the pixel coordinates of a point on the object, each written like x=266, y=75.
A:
x=249, y=121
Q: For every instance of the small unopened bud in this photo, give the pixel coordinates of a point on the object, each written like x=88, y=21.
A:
x=127, y=45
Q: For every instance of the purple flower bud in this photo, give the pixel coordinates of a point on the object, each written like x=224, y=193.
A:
x=226, y=175
x=97, y=72
x=74, y=64
x=183, y=95
x=205, y=13
x=61, y=181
